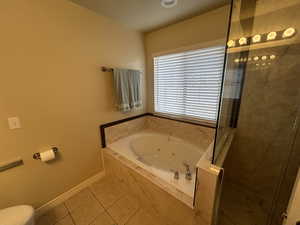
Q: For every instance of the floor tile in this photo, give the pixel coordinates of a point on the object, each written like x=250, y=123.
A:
x=84, y=214
x=57, y=213
x=103, y=219
x=82, y=199
x=143, y=217
x=65, y=221
x=123, y=209
x=108, y=191
x=53, y=216
x=43, y=220
x=223, y=219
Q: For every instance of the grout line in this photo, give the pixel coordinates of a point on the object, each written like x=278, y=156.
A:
x=63, y=217
x=130, y=217
x=69, y=212
x=73, y=221
x=94, y=196
x=105, y=210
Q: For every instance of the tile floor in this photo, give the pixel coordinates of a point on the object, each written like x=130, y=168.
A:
x=239, y=206
x=105, y=202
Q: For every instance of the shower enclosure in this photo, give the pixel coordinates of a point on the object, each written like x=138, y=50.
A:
x=260, y=106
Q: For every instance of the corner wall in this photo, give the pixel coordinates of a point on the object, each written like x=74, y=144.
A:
x=51, y=53
x=201, y=31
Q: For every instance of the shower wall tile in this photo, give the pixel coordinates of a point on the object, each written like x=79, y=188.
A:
x=122, y=130
x=195, y=134
x=264, y=135
x=248, y=207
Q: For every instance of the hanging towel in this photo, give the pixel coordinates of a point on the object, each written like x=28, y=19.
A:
x=127, y=88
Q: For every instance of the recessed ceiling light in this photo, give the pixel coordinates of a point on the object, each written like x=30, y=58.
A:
x=272, y=56
x=264, y=57
x=256, y=58
x=168, y=3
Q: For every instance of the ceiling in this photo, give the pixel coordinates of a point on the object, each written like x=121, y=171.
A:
x=148, y=15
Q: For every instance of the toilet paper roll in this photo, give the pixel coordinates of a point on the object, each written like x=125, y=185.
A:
x=47, y=155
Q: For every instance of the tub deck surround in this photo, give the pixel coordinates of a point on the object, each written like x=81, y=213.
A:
x=121, y=160
x=161, y=155
x=200, y=135
x=208, y=188
x=118, y=129
x=196, y=134
x=127, y=128
x=152, y=197
x=167, y=187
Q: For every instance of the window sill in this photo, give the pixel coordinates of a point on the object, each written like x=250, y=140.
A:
x=200, y=122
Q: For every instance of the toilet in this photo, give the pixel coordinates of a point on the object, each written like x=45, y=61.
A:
x=17, y=215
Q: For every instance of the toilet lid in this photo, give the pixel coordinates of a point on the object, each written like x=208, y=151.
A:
x=17, y=215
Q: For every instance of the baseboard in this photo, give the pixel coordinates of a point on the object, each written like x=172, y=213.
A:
x=64, y=196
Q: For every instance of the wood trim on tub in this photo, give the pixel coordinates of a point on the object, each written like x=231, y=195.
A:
x=113, y=123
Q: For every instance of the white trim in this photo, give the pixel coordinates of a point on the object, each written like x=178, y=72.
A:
x=201, y=122
x=66, y=195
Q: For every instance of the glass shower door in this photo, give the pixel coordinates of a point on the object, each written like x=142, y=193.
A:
x=260, y=106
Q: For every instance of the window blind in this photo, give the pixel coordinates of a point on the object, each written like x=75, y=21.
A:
x=187, y=84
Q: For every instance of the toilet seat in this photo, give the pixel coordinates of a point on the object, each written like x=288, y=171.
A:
x=17, y=215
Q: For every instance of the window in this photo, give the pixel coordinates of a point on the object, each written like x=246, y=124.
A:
x=187, y=84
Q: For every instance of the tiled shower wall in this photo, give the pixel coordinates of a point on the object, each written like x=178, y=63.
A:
x=262, y=144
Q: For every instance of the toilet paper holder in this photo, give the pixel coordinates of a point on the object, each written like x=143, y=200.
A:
x=37, y=155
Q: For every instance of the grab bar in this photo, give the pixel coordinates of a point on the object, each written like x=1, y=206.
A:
x=10, y=164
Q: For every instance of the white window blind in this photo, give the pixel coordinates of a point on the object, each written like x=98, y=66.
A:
x=187, y=84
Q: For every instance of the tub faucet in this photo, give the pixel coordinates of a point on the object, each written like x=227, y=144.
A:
x=176, y=174
x=188, y=174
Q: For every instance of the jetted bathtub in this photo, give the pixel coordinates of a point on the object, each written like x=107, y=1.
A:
x=162, y=155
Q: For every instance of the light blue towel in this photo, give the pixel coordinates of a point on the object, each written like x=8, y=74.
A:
x=127, y=87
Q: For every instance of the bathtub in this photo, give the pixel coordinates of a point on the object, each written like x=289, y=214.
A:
x=162, y=155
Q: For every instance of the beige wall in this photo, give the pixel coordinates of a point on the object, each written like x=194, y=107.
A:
x=51, y=52
x=201, y=31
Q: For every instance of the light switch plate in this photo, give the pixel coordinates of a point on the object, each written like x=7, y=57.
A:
x=14, y=123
